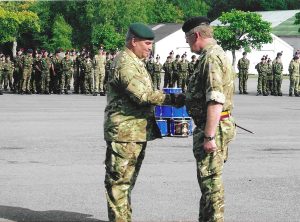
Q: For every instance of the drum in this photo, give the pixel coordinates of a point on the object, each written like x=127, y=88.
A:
x=163, y=126
x=181, y=127
x=179, y=112
x=172, y=90
x=163, y=111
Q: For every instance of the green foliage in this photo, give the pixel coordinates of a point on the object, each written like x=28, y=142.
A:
x=242, y=30
x=14, y=21
x=61, y=34
x=192, y=7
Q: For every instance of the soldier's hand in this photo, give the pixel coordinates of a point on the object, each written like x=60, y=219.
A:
x=178, y=100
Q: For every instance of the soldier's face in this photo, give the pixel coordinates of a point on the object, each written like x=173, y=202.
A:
x=142, y=48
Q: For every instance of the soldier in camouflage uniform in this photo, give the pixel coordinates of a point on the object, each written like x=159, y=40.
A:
x=243, y=66
x=87, y=69
x=157, y=73
x=150, y=68
x=129, y=120
x=183, y=67
x=209, y=100
x=37, y=72
x=175, y=70
x=259, y=78
x=168, y=69
x=8, y=70
x=269, y=87
x=277, y=71
x=108, y=70
x=67, y=69
x=99, y=72
x=77, y=70
x=294, y=70
x=264, y=73
x=1, y=72
x=46, y=66
x=191, y=67
x=55, y=78
x=27, y=62
x=17, y=71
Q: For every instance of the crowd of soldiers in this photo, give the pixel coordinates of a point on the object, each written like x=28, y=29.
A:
x=40, y=72
x=270, y=75
x=176, y=70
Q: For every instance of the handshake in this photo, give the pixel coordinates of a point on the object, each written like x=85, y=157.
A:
x=178, y=100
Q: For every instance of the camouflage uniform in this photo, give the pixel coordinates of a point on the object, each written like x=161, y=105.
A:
x=55, y=79
x=183, y=67
x=99, y=72
x=168, y=77
x=191, y=69
x=259, y=78
x=1, y=74
x=264, y=73
x=34, y=75
x=213, y=80
x=294, y=77
x=243, y=66
x=38, y=78
x=129, y=124
x=150, y=69
x=277, y=71
x=67, y=70
x=175, y=72
x=45, y=74
x=156, y=75
x=8, y=69
x=17, y=73
x=76, y=76
x=108, y=70
x=87, y=69
x=27, y=62
x=270, y=88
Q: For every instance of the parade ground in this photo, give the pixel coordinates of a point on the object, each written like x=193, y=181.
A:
x=52, y=153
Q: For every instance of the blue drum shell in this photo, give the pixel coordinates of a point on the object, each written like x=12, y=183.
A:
x=163, y=111
x=179, y=112
x=163, y=127
x=172, y=90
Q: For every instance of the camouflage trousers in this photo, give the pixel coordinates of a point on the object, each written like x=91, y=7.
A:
x=182, y=80
x=1, y=80
x=259, y=83
x=99, y=75
x=209, y=170
x=7, y=79
x=88, y=82
x=156, y=80
x=168, y=81
x=17, y=79
x=45, y=81
x=26, y=80
x=270, y=87
x=264, y=84
x=277, y=84
x=294, y=84
x=243, y=77
x=65, y=80
x=123, y=162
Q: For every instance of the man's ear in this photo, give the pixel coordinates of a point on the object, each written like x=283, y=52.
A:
x=133, y=42
x=197, y=35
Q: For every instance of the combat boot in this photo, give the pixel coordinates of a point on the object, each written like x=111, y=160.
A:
x=279, y=94
x=291, y=94
x=1, y=93
x=95, y=94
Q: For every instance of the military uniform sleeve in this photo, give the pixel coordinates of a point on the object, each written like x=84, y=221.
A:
x=136, y=87
x=214, y=89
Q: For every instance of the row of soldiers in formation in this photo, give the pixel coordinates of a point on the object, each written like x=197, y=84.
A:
x=176, y=70
x=42, y=73
x=270, y=75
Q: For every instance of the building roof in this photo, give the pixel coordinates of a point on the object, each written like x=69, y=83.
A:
x=163, y=30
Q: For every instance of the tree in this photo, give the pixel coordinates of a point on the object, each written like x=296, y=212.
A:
x=242, y=30
x=61, y=34
x=15, y=20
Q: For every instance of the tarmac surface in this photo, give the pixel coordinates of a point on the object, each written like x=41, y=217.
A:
x=52, y=152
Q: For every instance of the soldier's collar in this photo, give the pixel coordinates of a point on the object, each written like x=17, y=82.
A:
x=132, y=55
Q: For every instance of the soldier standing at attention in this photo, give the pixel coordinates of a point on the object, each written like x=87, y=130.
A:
x=57, y=72
x=175, y=71
x=1, y=72
x=18, y=71
x=277, y=71
x=46, y=66
x=294, y=76
x=27, y=62
x=8, y=70
x=168, y=77
x=99, y=72
x=150, y=68
x=183, y=67
x=259, y=78
x=192, y=64
x=87, y=69
x=269, y=87
x=243, y=67
x=157, y=73
x=67, y=69
x=264, y=73
x=129, y=120
x=108, y=69
x=209, y=100
x=37, y=72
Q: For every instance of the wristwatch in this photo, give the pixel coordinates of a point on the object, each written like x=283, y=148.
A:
x=209, y=138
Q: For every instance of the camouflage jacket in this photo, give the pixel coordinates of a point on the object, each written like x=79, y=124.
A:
x=57, y=65
x=243, y=64
x=18, y=62
x=168, y=67
x=150, y=67
x=8, y=67
x=294, y=68
x=183, y=66
x=45, y=64
x=191, y=67
x=87, y=66
x=175, y=66
x=264, y=69
x=129, y=115
x=27, y=62
x=212, y=80
x=157, y=67
x=99, y=61
x=277, y=68
x=67, y=65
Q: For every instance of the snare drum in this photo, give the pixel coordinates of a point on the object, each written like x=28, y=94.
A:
x=172, y=90
x=163, y=111
x=179, y=112
x=163, y=126
x=181, y=127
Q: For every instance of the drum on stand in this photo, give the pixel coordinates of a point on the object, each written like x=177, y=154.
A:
x=163, y=126
x=181, y=127
x=172, y=90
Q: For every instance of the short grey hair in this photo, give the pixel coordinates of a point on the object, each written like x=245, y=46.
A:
x=129, y=37
x=205, y=30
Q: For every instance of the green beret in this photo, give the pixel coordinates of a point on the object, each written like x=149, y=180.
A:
x=141, y=30
x=194, y=22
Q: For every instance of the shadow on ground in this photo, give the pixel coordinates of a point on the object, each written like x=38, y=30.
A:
x=18, y=214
